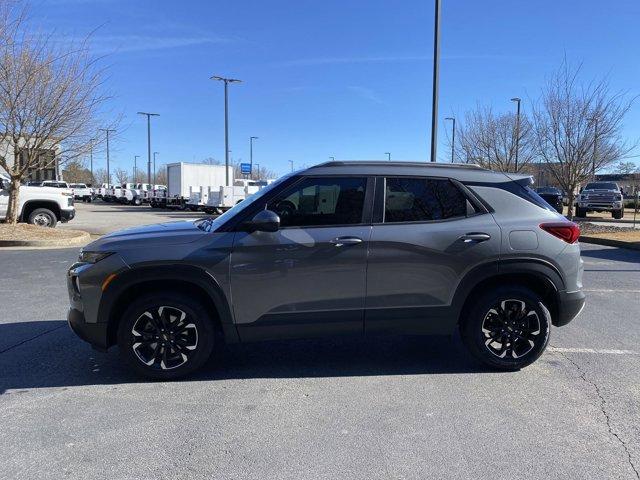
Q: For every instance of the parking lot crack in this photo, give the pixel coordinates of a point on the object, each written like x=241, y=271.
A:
x=603, y=409
x=30, y=339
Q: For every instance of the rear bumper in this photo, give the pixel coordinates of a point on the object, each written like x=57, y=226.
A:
x=570, y=304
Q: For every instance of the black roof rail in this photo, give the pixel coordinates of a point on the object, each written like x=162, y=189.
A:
x=338, y=163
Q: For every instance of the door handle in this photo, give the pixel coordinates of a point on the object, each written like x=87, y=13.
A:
x=475, y=237
x=342, y=241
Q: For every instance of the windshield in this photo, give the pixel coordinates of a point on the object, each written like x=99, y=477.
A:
x=601, y=186
x=212, y=224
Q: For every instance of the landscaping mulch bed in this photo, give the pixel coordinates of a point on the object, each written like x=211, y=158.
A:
x=31, y=235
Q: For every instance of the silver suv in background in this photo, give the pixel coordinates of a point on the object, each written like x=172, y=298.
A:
x=600, y=197
x=339, y=248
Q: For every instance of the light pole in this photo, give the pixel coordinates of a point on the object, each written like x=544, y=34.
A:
x=226, y=81
x=291, y=162
x=388, y=154
x=517, y=100
x=91, y=157
x=149, y=115
x=453, y=136
x=595, y=147
x=436, y=67
x=155, y=178
x=251, y=139
x=107, y=131
x=135, y=168
x=333, y=159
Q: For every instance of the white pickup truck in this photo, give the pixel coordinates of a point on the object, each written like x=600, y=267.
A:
x=82, y=192
x=43, y=206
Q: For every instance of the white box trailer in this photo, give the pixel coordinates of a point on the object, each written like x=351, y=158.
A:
x=186, y=179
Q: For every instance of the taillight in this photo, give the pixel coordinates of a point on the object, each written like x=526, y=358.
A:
x=567, y=231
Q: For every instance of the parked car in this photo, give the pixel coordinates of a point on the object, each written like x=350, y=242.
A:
x=600, y=197
x=82, y=192
x=339, y=248
x=43, y=206
x=553, y=196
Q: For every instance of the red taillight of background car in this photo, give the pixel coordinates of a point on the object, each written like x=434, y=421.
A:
x=567, y=231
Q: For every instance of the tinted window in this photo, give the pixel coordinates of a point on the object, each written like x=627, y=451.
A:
x=321, y=201
x=548, y=190
x=422, y=199
x=601, y=186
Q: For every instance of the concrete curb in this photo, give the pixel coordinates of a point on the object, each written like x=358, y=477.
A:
x=81, y=239
x=610, y=243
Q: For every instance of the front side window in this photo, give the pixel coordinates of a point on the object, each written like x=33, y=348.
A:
x=321, y=201
x=422, y=199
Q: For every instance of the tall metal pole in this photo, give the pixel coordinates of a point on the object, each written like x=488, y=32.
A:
x=251, y=139
x=595, y=150
x=517, y=100
x=453, y=137
x=107, y=131
x=226, y=81
x=155, y=176
x=291, y=162
x=388, y=154
x=149, y=115
x=91, y=158
x=333, y=159
x=135, y=168
x=436, y=75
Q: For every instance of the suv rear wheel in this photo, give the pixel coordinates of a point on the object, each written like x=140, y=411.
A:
x=618, y=214
x=165, y=335
x=507, y=328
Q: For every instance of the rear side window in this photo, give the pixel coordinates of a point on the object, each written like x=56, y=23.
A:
x=321, y=201
x=422, y=199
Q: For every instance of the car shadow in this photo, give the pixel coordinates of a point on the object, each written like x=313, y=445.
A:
x=47, y=354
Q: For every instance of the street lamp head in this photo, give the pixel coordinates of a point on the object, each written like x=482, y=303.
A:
x=226, y=80
x=449, y=118
x=253, y=138
x=516, y=99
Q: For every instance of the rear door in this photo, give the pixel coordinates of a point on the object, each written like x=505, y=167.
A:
x=427, y=234
x=309, y=277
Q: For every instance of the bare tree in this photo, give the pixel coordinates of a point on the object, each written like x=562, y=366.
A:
x=100, y=177
x=75, y=171
x=578, y=128
x=626, y=168
x=50, y=99
x=161, y=175
x=122, y=176
x=490, y=140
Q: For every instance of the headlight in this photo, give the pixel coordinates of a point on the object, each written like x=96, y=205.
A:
x=92, y=257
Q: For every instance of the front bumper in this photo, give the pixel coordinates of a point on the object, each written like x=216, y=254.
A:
x=570, y=304
x=66, y=215
x=94, y=333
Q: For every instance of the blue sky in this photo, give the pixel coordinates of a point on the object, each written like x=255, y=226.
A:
x=343, y=78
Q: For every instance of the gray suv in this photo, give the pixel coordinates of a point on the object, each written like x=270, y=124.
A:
x=339, y=248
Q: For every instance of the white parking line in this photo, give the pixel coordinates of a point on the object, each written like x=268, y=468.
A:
x=595, y=290
x=606, y=351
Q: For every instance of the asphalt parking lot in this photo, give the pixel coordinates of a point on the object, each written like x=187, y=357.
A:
x=388, y=407
x=99, y=218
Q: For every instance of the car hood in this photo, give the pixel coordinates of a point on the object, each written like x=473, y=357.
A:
x=171, y=233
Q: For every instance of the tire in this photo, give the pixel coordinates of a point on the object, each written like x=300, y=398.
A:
x=43, y=217
x=581, y=212
x=618, y=214
x=529, y=334
x=146, y=357
x=137, y=202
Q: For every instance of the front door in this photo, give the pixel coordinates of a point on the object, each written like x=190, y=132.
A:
x=427, y=236
x=309, y=277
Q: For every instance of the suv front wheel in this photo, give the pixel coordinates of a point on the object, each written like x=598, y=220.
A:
x=507, y=328
x=165, y=335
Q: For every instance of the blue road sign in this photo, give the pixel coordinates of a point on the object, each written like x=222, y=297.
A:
x=245, y=168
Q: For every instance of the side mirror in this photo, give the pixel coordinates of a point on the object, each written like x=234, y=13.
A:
x=264, y=221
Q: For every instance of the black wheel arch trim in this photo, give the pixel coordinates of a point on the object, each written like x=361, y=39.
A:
x=181, y=273
x=539, y=268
